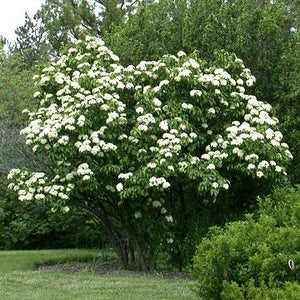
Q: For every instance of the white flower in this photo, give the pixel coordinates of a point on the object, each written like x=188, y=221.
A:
x=95, y=150
x=139, y=110
x=247, y=117
x=193, y=135
x=164, y=82
x=164, y=125
x=63, y=140
x=169, y=219
x=156, y=102
x=184, y=73
x=125, y=175
x=225, y=186
x=211, y=167
x=156, y=204
x=152, y=165
x=241, y=89
x=181, y=53
x=168, y=154
x=194, y=160
x=194, y=93
x=240, y=81
x=39, y=196
x=215, y=185
x=75, y=85
x=170, y=241
x=137, y=214
x=275, y=143
x=44, y=80
x=249, y=82
x=278, y=169
x=36, y=94
x=215, y=82
x=104, y=107
x=259, y=174
x=251, y=156
x=263, y=164
x=163, y=210
x=251, y=167
x=119, y=187
x=65, y=209
x=211, y=111
x=143, y=127
x=205, y=156
x=86, y=177
x=183, y=135
x=114, y=57
x=166, y=185
x=81, y=121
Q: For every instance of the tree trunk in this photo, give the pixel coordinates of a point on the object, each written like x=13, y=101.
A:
x=140, y=255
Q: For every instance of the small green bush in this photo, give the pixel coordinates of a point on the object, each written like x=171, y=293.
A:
x=249, y=259
x=288, y=291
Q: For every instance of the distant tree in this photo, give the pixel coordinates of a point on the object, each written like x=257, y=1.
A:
x=59, y=22
x=289, y=105
x=16, y=88
x=31, y=43
x=156, y=28
x=257, y=31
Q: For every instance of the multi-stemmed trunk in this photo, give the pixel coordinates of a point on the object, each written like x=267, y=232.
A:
x=121, y=234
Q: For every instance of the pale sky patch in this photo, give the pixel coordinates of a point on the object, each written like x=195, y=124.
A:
x=12, y=15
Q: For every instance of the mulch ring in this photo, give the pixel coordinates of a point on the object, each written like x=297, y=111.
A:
x=109, y=268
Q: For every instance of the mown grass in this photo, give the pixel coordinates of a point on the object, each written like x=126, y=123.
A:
x=19, y=280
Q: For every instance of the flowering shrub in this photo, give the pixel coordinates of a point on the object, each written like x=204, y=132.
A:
x=126, y=141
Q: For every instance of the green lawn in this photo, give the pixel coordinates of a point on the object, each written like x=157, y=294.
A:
x=19, y=280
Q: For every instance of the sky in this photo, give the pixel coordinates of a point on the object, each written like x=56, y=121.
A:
x=12, y=15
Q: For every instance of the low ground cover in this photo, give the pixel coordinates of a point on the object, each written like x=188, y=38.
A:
x=22, y=278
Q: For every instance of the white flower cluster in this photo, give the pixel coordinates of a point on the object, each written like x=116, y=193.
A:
x=145, y=120
x=125, y=176
x=84, y=171
x=159, y=181
x=36, y=185
x=239, y=135
x=94, y=144
x=119, y=187
x=258, y=111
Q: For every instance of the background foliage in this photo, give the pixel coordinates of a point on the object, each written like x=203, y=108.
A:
x=34, y=226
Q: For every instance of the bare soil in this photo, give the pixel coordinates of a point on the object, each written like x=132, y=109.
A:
x=109, y=268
